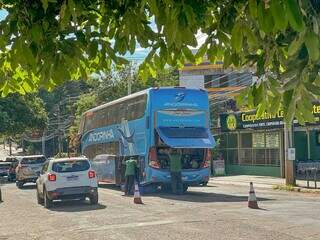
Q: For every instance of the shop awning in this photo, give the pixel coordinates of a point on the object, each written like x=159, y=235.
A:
x=186, y=137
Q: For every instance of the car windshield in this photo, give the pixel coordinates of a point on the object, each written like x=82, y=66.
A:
x=71, y=166
x=33, y=160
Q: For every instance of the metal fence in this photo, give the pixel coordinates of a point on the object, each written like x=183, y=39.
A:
x=308, y=171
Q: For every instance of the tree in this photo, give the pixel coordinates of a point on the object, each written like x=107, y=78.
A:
x=19, y=114
x=46, y=42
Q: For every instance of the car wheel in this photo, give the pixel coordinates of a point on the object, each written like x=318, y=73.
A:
x=19, y=184
x=47, y=201
x=39, y=199
x=94, y=199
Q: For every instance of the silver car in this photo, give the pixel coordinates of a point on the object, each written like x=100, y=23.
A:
x=28, y=169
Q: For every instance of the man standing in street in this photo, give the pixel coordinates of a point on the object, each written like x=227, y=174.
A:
x=130, y=173
x=175, y=169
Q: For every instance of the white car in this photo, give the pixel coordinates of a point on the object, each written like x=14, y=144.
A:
x=67, y=178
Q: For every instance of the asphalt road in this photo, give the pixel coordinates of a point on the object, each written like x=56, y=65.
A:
x=213, y=212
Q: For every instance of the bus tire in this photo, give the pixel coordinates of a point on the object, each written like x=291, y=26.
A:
x=185, y=188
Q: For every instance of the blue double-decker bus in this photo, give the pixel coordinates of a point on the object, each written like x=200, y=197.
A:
x=145, y=125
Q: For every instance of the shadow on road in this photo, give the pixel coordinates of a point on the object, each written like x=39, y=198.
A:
x=75, y=206
x=109, y=186
x=29, y=187
x=204, y=197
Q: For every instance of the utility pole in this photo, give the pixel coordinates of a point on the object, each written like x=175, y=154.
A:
x=289, y=163
x=10, y=146
x=130, y=80
x=43, y=143
x=59, y=132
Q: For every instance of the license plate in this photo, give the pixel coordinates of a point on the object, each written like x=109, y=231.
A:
x=72, y=178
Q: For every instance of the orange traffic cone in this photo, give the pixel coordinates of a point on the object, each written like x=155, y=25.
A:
x=136, y=197
x=252, y=200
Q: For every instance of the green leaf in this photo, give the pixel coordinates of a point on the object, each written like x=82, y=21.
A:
x=237, y=37
x=315, y=25
x=279, y=15
x=153, y=7
x=275, y=104
x=262, y=17
x=36, y=32
x=294, y=15
x=189, y=37
x=132, y=45
x=93, y=49
x=44, y=5
x=291, y=83
x=252, y=39
x=200, y=53
x=305, y=107
x=212, y=53
x=242, y=97
x=289, y=113
x=72, y=8
x=63, y=9
x=188, y=54
x=253, y=8
x=296, y=44
x=261, y=108
x=226, y=59
x=312, y=44
x=313, y=88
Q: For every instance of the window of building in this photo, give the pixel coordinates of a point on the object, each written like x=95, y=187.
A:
x=261, y=148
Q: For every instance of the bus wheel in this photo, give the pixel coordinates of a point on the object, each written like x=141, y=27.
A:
x=185, y=188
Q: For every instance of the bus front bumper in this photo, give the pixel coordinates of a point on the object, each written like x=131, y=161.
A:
x=189, y=177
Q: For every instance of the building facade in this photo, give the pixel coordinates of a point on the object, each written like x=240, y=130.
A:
x=254, y=145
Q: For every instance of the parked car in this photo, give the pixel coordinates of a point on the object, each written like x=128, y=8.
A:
x=13, y=161
x=4, y=167
x=28, y=169
x=67, y=178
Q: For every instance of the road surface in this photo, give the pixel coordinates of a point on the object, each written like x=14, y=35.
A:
x=214, y=212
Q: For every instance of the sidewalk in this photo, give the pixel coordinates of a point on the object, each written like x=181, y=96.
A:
x=260, y=182
x=244, y=180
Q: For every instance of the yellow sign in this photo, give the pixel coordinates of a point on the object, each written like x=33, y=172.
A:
x=231, y=122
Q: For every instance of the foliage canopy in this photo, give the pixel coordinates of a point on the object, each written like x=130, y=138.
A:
x=19, y=114
x=46, y=42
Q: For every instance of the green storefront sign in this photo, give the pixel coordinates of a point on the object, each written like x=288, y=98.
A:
x=250, y=119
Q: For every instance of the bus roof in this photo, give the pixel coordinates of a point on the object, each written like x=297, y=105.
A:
x=132, y=96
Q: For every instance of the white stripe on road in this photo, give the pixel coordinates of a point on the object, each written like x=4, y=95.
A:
x=127, y=225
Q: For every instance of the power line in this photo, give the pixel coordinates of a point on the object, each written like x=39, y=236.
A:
x=227, y=74
x=241, y=83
